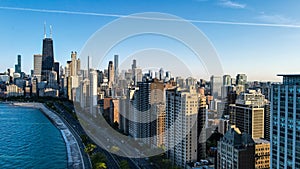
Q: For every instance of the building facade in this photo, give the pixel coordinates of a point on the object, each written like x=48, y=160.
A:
x=181, y=125
x=236, y=150
x=262, y=154
x=285, y=123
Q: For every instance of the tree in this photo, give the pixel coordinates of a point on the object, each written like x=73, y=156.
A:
x=124, y=164
x=98, y=157
x=90, y=148
x=99, y=166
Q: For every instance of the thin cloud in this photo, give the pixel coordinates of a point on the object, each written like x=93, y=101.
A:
x=276, y=19
x=231, y=4
x=152, y=18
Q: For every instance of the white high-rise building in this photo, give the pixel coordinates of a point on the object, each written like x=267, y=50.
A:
x=93, y=90
x=181, y=125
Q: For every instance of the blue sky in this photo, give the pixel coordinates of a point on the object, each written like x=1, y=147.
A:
x=259, y=51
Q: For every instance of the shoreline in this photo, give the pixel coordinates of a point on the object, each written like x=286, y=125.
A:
x=74, y=156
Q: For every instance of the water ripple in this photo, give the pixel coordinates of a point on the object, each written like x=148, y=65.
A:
x=29, y=140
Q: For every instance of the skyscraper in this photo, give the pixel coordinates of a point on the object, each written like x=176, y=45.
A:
x=93, y=91
x=37, y=66
x=116, y=71
x=133, y=66
x=248, y=113
x=201, y=126
x=285, y=123
x=111, y=74
x=18, y=65
x=47, y=56
x=181, y=125
x=147, y=101
x=215, y=86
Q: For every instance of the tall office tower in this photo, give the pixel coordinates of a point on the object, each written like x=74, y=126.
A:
x=18, y=65
x=215, y=86
x=93, y=91
x=236, y=150
x=285, y=123
x=56, y=69
x=71, y=74
x=149, y=95
x=47, y=56
x=73, y=64
x=262, y=154
x=161, y=74
x=110, y=74
x=201, y=126
x=116, y=71
x=247, y=113
x=133, y=66
x=226, y=80
x=181, y=125
x=37, y=66
x=241, y=79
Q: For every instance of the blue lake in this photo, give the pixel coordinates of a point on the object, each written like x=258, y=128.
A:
x=29, y=140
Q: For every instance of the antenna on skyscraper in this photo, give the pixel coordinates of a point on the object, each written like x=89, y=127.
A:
x=45, y=30
x=50, y=31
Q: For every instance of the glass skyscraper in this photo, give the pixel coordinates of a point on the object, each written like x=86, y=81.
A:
x=285, y=123
x=47, y=57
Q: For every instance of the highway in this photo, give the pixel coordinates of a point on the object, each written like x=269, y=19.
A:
x=77, y=130
x=107, y=140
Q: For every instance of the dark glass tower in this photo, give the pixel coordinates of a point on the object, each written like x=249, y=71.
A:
x=48, y=57
x=18, y=65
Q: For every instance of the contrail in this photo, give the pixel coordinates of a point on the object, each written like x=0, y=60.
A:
x=152, y=18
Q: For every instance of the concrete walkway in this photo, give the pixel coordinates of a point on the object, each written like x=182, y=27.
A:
x=75, y=159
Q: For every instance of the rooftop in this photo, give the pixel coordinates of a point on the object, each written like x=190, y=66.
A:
x=288, y=75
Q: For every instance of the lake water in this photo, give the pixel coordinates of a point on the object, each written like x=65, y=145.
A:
x=29, y=140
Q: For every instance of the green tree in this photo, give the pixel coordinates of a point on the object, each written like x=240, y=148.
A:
x=90, y=148
x=99, y=166
x=124, y=164
x=98, y=158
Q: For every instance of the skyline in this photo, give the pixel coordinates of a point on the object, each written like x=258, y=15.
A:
x=23, y=35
